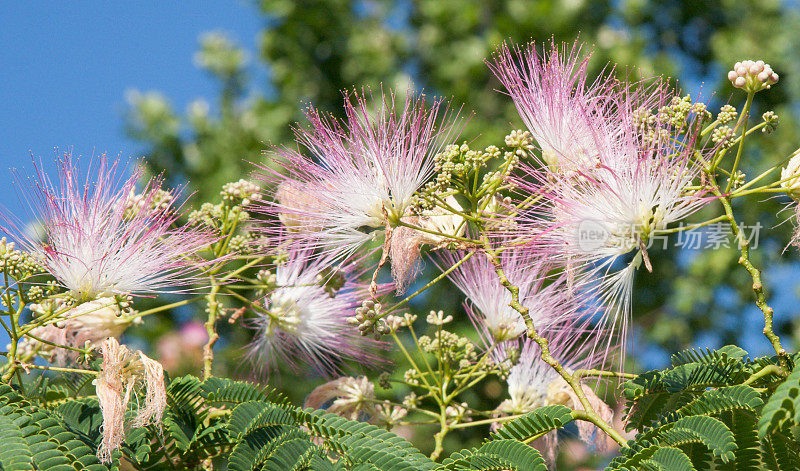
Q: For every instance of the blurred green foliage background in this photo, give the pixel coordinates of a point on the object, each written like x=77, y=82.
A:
x=310, y=50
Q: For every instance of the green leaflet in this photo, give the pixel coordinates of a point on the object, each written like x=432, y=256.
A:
x=783, y=406
x=538, y=422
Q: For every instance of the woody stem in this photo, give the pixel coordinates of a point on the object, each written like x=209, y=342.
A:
x=755, y=274
x=591, y=414
x=212, y=308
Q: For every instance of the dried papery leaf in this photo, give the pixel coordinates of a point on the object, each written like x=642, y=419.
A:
x=404, y=252
x=113, y=396
x=156, y=393
x=588, y=432
x=352, y=397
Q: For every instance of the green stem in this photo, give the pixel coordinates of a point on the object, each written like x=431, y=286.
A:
x=614, y=374
x=767, y=370
x=66, y=347
x=411, y=360
x=244, y=267
x=743, y=123
x=692, y=226
x=26, y=366
x=14, y=316
x=493, y=420
x=422, y=354
x=438, y=439
x=431, y=283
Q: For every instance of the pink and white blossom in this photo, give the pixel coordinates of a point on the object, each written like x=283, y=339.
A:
x=357, y=177
x=626, y=179
x=600, y=224
x=488, y=301
x=532, y=383
x=101, y=238
x=557, y=102
x=302, y=322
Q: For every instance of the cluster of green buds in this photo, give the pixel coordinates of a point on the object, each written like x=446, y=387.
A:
x=37, y=292
x=50, y=306
x=229, y=218
x=125, y=304
x=394, y=323
x=229, y=212
x=16, y=263
x=158, y=200
x=676, y=114
x=241, y=193
x=457, y=413
x=650, y=125
x=411, y=400
x=267, y=280
x=738, y=179
x=457, y=160
x=242, y=243
x=388, y=415
x=207, y=215
x=451, y=165
x=519, y=144
x=458, y=168
x=727, y=114
x=456, y=352
x=752, y=76
x=723, y=136
x=368, y=319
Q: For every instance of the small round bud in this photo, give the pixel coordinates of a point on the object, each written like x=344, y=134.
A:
x=752, y=76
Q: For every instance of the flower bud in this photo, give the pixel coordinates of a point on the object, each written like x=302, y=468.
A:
x=752, y=76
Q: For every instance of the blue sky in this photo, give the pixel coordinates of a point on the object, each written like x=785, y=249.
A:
x=65, y=68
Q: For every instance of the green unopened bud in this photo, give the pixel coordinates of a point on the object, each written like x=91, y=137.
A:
x=771, y=122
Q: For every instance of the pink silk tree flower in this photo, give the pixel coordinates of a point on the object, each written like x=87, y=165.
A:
x=302, y=321
x=554, y=98
x=571, y=118
x=487, y=302
x=358, y=176
x=532, y=383
x=636, y=182
x=593, y=222
x=100, y=238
